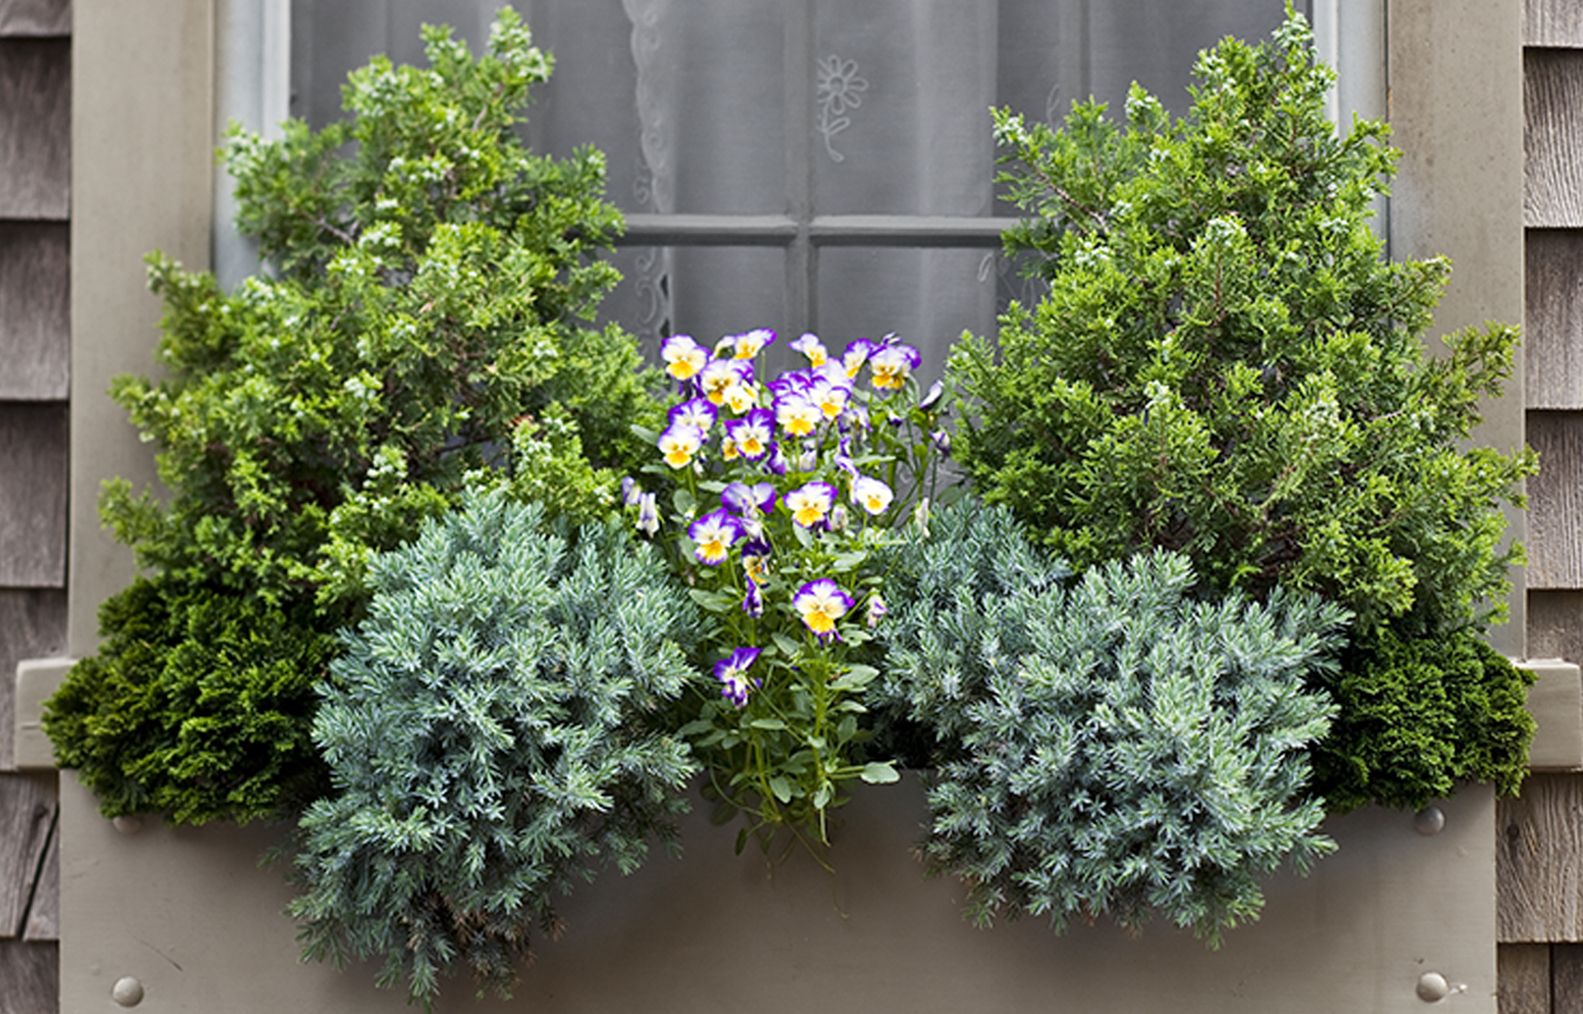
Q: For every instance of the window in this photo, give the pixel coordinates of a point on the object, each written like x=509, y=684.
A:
x=818, y=165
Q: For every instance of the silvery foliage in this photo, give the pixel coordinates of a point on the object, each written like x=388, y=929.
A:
x=488, y=728
x=1107, y=745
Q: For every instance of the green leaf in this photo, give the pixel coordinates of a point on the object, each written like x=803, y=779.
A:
x=848, y=561
x=879, y=774
x=822, y=795
x=855, y=678
x=767, y=723
x=787, y=646
x=781, y=788
x=684, y=502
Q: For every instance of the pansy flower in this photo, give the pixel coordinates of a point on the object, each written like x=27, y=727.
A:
x=697, y=413
x=810, y=346
x=831, y=394
x=750, y=343
x=740, y=497
x=648, y=514
x=728, y=449
x=753, y=433
x=871, y=494
x=684, y=358
x=932, y=398
x=631, y=492
x=732, y=672
x=679, y=443
x=713, y=536
x=753, y=600
x=892, y=365
x=820, y=603
x=797, y=415
x=719, y=375
x=810, y=504
x=775, y=461
x=740, y=397
x=877, y=610
x=856, y=355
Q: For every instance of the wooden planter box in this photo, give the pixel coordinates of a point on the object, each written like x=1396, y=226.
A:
x=191, y=915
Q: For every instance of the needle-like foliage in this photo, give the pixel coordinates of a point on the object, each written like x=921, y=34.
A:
x=1107, y=746
x=491, y=732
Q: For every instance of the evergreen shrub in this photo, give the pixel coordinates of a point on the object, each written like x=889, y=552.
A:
x=424, y=315
x=1227, y=366
x=491, y=733
x=1109, y=745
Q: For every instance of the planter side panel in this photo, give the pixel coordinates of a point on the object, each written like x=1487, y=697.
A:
x=191, y=915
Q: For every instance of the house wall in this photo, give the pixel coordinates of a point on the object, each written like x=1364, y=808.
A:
x=1539, y=837
x=35, y=106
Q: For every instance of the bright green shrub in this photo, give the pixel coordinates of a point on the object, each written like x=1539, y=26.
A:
x=1109, y=745
x=487, y=734
x=1227, y=366
x=1419, y=715
x=425, y=316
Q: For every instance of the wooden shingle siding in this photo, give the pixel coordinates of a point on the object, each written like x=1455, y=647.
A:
x=35, y=18
x=43, y=917
x=1553, y=138
x=1555, y=624
x=33, y=482
x=1524, y=979
x=35, y=311
x=32, y=625
x=1553, y=23
x=35, y=128
x=27, y=819
x=1555, y=501
x=1553, y=325
x=1538, y=837
x=29, y=982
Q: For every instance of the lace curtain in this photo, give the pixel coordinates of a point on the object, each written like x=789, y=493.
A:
x=698, y=112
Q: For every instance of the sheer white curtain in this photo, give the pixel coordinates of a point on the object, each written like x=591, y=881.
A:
x=689, y=101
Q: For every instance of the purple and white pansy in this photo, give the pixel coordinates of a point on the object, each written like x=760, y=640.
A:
x=713, y=536
x=820, y=603
x=732, y=672
x=810, y=503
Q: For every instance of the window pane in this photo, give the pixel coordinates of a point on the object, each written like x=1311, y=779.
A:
x=927, y=297
x=685, y=97
x=903, y=87
x=704, y=291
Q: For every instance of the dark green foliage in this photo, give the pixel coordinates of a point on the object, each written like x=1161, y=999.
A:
x=1108, y=746
x=151, y=722
x=1419, y=715
x=1226, y=365
x=424, y=318
x=487, y=733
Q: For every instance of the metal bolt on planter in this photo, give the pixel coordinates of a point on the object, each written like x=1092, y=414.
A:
x=127, y=991
x=1429, y=820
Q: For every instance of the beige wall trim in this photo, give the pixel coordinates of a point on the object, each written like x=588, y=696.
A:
x=142, y=151
x=1455, y=77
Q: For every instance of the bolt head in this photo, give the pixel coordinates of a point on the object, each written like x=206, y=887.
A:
x=1429, y=820
x=1433, y=987
x=127, y=991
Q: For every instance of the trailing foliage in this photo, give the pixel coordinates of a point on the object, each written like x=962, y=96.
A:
x=151, y=722
x=487, y=735
x=1108, y=746
x=1419, y=715
x=1226, y=365
x=425, y=316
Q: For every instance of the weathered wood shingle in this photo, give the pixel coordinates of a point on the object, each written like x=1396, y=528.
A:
x=33, y=481
x=35, y=128
x=32, y=625
x=1553, y=23
x=1555, y=501
x=1539, y=836
x=35, y=18
x=27, y=817
x=29, y=980
x=1553, y=318
x=35, y=311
